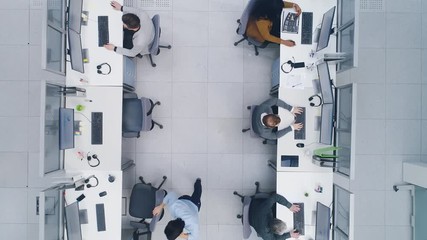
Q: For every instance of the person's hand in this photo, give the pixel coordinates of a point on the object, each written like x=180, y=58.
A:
x=294, y=234
x=116, y=5
x=297, y=110
x=289, y=43
x=109, y=46
x=157, y=210
x=294, y=208
x=297, y=126
x=183, y=236
x=297, y=9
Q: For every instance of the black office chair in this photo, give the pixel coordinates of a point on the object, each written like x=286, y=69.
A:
x=155, y=45
x=143, y=199
x=241, y=29
x=246, y=202
x=137, y=115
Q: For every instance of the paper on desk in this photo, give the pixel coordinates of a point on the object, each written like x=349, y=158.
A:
x=294, y=81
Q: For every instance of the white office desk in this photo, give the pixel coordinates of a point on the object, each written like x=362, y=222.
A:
x=298, y=95
x=294, y=186
x=112, y=204
x=109, y=101
x=98, y=55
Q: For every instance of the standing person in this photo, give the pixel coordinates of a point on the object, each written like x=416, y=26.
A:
x=185, y=212
x=265, y=120
x=261, y=218
x=264, y=21
x=138, y=31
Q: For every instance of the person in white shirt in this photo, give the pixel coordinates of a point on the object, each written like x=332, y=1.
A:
x=185, y=211
x=138, y=31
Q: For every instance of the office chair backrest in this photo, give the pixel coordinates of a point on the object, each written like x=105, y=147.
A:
x=154, y=48
x=160, y=195
x=244, y=19
x=246, y=225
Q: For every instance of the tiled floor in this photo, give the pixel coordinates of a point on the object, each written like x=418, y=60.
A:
x=204, y=84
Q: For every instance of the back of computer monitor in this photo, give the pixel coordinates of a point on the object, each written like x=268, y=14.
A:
x=323, y=219
x=325, y=29
x=75, y=50
x=66, y=128
x=327, y=122
x=325, y=83
x=75, y=15
x=72, y=218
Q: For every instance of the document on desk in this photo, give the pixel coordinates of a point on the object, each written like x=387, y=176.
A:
x=294, y=81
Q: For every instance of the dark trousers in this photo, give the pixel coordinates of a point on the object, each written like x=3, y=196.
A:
x=128, y=38
x=197, y=194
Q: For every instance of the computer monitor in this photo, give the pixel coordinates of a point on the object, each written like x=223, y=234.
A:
x=325, y=29
x=323, y=219
x=75, y=50
x=72, y=218
x=75, y=15
x=66, y=128
x=327, y=122
x=325, y=83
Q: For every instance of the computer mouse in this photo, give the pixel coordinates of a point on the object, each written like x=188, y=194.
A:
x=300, y=145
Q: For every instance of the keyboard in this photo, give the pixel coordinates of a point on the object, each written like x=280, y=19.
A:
x=96, y=128
x=307, y=28
x=100, y=217
x=103, y=34
x=300, y=118
x=299, y=219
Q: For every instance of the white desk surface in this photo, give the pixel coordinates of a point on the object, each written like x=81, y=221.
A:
x=98, y=55
x=109, y=101
x=112, y=205
x=293, y=186
x=296, y=96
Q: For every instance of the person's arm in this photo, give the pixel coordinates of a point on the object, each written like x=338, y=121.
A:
x=292, y=5
x=264, y=29
x=130, y=52
x=267, y=204
x=282, y=104
x=193, y=232
x=282, y=132
x=170, y=198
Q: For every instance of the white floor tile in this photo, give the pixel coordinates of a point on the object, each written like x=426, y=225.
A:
x=34, y=100
x=34, y=134
x=424, y=101
x=254, y=94
x=189, y=136
x=13, y=205
x=254, y=144
x=256, y=169
x=377, y=232
x=230, y=207
x=153, y=166
x=403, y=101
x=369, y=173
x=189, y=100
x=35, y=27
x=371, y=101
x=186, y=168
x=412, y=6
x=399, y=70
x=373, y=30
x=393, y=168
x=424, y=31
x=370, y=137
x=403, y=24
x=424, y=136
x=191, y=5
x=226, y=5
x=14, y=137
x=225, y=171
x=225, y=100
x=225, y=64
x=225, y=136
x=160, y=73
x=190, y=64
x=403, y=137
x=258, y=68
x=400, y=216
x=14, y=103
x=373, y=71
x=16, y=66
x=35, y=73
x=367, y=213
x=190, y=28
x=15, y=174
x=18, y=231
x=398, y=232
x=18, y=34
x=157, y=140
x=221, y=26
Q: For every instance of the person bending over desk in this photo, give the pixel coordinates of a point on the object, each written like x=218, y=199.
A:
x=264, y=22
x=261, y=218
x=265, y=119
x=185, y=211
x=138, y=31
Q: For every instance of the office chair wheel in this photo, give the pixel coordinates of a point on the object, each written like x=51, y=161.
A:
x=169, y=47
x=153, y=65
x=235, y=193
x=239, y=216
x=264, y=142
x=235, y=44
x=249, y=107
x=238, y=21
x=245, y=130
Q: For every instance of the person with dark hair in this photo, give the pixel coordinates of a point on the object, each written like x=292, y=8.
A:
x=264, y=22
x=185, y=211
x=265, y=119
x=138, y=31
x=261, y=218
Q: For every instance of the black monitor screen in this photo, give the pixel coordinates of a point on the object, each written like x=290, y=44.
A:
x=325, y=83
x=326, y=126
x=75, y=50
x=72, y=218
x=75, y=15
x=66, y=128
x=323, y=216
x=325, y=29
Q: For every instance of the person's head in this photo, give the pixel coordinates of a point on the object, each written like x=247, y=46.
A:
x=271, y=120
x=174, y=229
x=131, y=21
x=269, y=9
x=278, y=227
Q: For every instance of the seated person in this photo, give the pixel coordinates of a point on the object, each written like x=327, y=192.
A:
x=138, y=32
x=185, y=212
x=265, y=20
x=265, y=122
x=261, y=218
